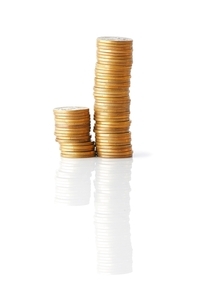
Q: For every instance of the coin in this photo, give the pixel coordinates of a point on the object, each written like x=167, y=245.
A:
x=113, y=94
x=109, y=79
x=109, y=135
x=110, y=130
x=114, y=150
x=107, y=155
x=66, y=140
x=111, y=103
x=117, y=142
x=112, y=100
x=119, y=62
x=78, y=154
x=85, y=144
x=69, y=131
x=111, y=85
x=114, y=123
x=70, y=109
x=116, y=108
x=76, y=148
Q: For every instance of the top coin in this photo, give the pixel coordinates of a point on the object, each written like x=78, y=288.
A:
x=114, y=39
x=73, y=108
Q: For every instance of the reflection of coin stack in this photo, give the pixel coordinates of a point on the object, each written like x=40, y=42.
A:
x=112, y=210
x=73, y=181
x=112, y=100
x=72, y=130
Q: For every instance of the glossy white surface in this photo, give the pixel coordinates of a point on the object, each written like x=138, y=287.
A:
x=139, y=218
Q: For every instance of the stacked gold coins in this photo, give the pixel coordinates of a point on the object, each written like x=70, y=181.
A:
x=72, y=131
x=112, y=99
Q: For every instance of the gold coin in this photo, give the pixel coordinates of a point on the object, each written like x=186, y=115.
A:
x=114, y=123
x=112, y=142
x=101, y=50
x=105, y=119
x=114, y=108
x=84, y=144
x=70, y=114
x=111, y=106
x=112, y=86
x=126, y=135
x=72, y=136
x=114, y=39
x=114, y=150
x=101, y=137
x=112, y=52
x=112, y=75
x=73, y=120
x=111, y=94
x=118, y=149
x=108, y=145
x=72, y=131
x=114, y=91
x=112, y=112
x=113, y=67
x=114, y=62
x=118, y=58
x=69, y=126
x=110, y=101
x=103, y=80
x=111, y=116
x=101, y=133
x=115, y=46
x=78, y=154
x=76, y=149
x=105, y=155
x=77, y=116
x=117, y=79
x=117, y=72
x=70, y=109
x=85, y=137
x=63, y=140
x=119, y=76
x=110, y=131
x=100, y=100
x=120, y=48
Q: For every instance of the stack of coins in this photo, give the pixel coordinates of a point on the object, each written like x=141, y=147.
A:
x=72, y=131
x=112, y=99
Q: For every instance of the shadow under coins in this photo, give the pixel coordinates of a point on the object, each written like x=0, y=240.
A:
x=73, y=181
x=112, y=214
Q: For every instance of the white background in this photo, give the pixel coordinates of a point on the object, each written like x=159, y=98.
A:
x=47, y=59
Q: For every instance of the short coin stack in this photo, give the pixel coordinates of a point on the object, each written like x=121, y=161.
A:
x=112, y=100
x=72, y=131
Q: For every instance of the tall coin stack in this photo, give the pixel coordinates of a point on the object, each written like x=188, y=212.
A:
x=112, y=99
x=72, y=131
